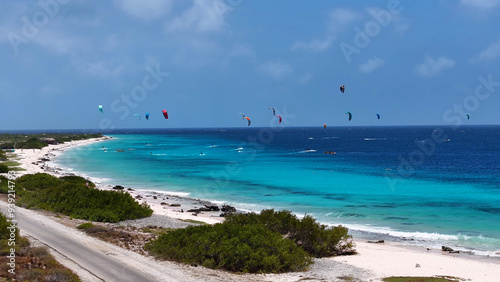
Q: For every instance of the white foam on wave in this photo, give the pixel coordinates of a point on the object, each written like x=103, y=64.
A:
x=476, y=245
x=391, y=232
x=164, y=192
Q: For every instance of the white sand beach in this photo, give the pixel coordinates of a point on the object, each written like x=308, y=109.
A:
x=372, y=263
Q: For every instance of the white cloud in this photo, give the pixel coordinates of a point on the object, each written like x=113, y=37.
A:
x=102, y=69
x=371, y=65
x=491, y=53
x=396, y=22
x=432, y=67
x=482, y=4
x=203, y=16
x=59, y=42
x=400, y=24
x=276, y=70
x=341, y=17
x=337, y=20
x=145, y=10
x=316, y=45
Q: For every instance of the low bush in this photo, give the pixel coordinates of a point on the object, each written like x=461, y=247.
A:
x=77, y=180
x=238, y=248
x=4, y=168
x=38, y=181
x=316, y=239
x=32, y=143
x=76, y=197
x=4, y=185
x=85, y=225
x=5, y=235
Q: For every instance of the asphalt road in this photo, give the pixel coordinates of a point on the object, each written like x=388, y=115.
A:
x=101, y=261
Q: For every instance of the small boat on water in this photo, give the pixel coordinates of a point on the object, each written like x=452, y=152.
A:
x=118, y=150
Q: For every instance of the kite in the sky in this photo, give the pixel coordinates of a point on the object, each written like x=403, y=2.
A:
x=279, y=118
x=378, y=116
x=274, y=112
x=100, y=108
x=247, y=118
x=137, y=115
x=147, y=116
x=342, y=88
x=468, y=117
x=165, y=114
x=350, y=115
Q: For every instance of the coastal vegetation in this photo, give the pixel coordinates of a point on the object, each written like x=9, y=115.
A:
x=85, y=225
x=77, y=197
x=31, y=263
x=4, y=187
x=316, y=239
x=4, y=168
x=38, y=141
x=269, y=242
x=237, y=248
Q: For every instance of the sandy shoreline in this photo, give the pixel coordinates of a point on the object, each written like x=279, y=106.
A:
x=373, y=262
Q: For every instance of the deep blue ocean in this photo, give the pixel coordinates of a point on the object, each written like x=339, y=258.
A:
x=427, y=186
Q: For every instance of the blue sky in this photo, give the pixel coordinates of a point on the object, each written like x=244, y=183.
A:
x=205, y=61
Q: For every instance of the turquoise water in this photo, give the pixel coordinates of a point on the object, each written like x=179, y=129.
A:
x=422, y=185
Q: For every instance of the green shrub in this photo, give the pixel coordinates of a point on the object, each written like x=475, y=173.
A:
x=38, y=181
x=4, y=168
x=71, y=196
x=85, y=225
x=5, y=235
x=77, y=180
x=238, y=248
x=61, y=274
x=4, y=185
x=32, y=143
x=3, y=157
x=316, y=239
